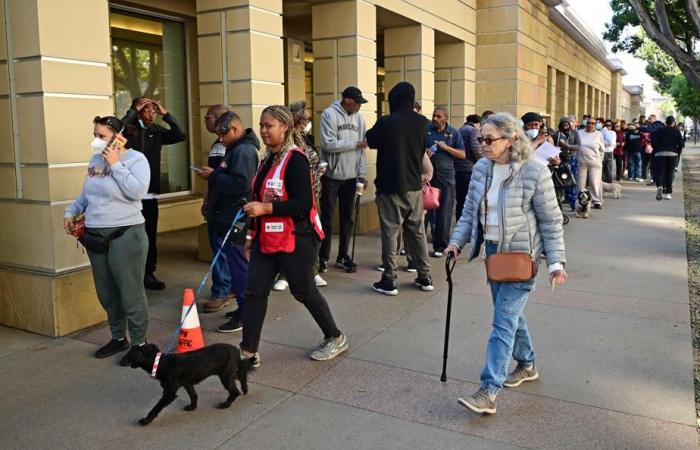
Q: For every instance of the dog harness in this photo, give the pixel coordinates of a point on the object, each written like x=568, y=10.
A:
x=155, y=365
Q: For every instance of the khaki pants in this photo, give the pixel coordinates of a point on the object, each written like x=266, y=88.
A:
x=590, y=175
x=397, y=211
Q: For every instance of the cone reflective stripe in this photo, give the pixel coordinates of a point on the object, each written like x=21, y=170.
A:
x=191, y=337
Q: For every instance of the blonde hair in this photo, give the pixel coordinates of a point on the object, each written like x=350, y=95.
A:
x=291, y=137
x=507, y=126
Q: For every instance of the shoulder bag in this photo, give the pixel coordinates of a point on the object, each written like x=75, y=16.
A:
x=431, y=197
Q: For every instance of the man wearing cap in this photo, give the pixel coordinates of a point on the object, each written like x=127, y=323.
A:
x=343, y=147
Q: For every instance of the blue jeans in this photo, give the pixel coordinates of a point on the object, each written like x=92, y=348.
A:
x=572, y=192
x=238, y=269
x=220, y=277
x=510, y=334
x=634, y=165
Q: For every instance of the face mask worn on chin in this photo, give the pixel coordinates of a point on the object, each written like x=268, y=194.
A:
x=532, y=133
x=98, y=146
x=598, y=126
x=307, y=128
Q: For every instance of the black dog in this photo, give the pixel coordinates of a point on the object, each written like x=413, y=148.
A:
x=187, y=369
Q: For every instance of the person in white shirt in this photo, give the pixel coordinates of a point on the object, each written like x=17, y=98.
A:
x=590, y=157
x=610, y=140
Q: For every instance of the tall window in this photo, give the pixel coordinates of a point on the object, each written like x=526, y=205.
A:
x=148, y=60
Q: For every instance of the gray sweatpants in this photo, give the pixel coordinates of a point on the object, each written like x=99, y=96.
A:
x=118, y=276
x=591, y=176
x=397, y=210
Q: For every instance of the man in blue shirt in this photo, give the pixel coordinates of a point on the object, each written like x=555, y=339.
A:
x=444, y=144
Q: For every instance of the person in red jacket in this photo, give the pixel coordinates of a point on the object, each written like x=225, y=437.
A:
x=619, y=151
x=285, y=236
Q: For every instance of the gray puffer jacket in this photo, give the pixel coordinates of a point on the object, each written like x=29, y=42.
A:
x=528, y=213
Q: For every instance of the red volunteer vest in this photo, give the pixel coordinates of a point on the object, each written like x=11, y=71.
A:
x=276, y=233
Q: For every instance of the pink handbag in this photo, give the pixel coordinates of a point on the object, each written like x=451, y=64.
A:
x=431, y=197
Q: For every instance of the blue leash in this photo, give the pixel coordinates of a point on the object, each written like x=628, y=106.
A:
x=239, y=214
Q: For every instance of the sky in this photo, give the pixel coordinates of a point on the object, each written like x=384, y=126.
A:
x=595, y=14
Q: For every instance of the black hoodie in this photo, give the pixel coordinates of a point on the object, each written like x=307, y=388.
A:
x=400, y=142
x=230, y=183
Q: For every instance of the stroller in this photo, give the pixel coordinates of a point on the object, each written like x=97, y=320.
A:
x=563, y=181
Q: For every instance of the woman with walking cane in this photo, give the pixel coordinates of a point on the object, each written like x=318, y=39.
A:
x=512, y=208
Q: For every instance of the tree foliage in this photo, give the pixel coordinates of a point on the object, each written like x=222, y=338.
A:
x=661, y=67
x=686, y=97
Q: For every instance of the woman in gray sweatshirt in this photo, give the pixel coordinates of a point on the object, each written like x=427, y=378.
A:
x=117, y=179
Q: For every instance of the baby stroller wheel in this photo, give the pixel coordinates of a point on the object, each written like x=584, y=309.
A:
x=565, y=218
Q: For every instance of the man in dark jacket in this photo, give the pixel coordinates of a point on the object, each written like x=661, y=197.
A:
x=668, y=144
x=150, y=140
x=229, y=189
x=400, y=142
x=463, y=167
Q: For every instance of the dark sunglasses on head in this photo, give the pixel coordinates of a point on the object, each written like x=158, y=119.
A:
x=488, y=140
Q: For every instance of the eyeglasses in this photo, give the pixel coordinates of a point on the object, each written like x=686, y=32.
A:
x=488, y=140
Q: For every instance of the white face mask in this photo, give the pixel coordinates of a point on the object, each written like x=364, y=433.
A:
x=307, y=128
x=532, y=133
x=98, y=146
x=598, y=126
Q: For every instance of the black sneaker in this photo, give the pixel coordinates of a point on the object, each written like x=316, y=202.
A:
x=124, y=362
x=386, y=286
x=151, y=282
x=234, y=324
x=597, y=206
x=425, y=283
x=659, y=193
x=112, y=348
x=346, y=263
x=411, y=266
x=322, y=266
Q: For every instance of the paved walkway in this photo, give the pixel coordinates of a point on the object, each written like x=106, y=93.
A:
x=613, y=349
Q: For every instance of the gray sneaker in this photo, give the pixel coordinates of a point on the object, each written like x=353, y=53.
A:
x=480, y=402
x=330, y=348
x=521, y=374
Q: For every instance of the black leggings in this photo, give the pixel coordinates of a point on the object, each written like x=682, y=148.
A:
x=299, y=267
x=664, y=172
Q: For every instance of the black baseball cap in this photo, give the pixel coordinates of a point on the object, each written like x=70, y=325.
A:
x=531, y=117
x=354, y=93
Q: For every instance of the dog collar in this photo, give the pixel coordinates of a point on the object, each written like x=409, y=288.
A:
x=155, y=365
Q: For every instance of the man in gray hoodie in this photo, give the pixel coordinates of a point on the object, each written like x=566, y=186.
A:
x=343, y=148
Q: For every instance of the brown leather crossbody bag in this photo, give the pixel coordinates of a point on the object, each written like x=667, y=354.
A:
x=507, y=267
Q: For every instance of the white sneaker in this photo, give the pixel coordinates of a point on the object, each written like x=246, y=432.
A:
x=280, y=285
x=667, y=196
x=320, y=282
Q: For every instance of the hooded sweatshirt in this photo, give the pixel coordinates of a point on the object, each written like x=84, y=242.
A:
x=400, y=142
x=230, y=183
x=340, y=133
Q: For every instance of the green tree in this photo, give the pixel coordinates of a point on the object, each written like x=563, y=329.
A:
x=660, y=66
x=674, y=25
x=687, y=98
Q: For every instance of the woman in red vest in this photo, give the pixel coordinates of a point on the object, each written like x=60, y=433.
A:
x=285, y=236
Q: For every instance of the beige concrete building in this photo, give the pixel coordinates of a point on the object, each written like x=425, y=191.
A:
x=64, y=61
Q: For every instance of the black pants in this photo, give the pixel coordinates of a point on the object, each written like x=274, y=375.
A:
x=299, y=267
x=607, y=167
x=619, y=166
x=150, y=213
x=443, y=215
x=665, y=171
x=646, y=163
x=462, y=180
x=332, y=190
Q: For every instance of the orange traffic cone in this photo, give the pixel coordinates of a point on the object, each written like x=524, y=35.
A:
x=191, y=337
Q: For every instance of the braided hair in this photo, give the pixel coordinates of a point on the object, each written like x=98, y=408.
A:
x=292, y=136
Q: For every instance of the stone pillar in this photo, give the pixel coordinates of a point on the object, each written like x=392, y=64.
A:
x=409, y=55
x=582, y=99
x=53, y=82
x=454, y=80
x=345, y=54
x=562, y=98
x=295, y=73
x=552, y=87
x=573, y=98
x=241, y=57
x=590, y=106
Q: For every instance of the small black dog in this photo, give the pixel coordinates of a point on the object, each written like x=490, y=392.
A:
x=584, y=204
x=187, y=369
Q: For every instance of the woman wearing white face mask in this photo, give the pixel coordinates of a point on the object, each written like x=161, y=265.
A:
x=115, y=239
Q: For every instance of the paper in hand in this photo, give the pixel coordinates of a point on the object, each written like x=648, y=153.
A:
x=546, y=151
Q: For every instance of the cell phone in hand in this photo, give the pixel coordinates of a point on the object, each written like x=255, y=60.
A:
x=195, y=169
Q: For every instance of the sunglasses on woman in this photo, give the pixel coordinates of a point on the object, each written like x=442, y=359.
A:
x=488, y=140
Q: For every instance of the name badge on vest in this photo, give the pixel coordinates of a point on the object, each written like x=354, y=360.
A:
x=273, y=184
x=274, y=227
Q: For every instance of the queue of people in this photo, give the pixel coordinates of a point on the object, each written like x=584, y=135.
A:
x=289, y=196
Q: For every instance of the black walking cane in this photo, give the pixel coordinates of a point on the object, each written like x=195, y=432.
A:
x=449, y=267
x=353, y=266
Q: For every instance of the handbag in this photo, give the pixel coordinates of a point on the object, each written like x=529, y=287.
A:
x=508, y=267
x=431, y=197
x=96, y=243
x=563, y=177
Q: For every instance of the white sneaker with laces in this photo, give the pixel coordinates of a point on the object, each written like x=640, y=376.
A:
x=667, y=196
x=320, y=282
x=280, y=285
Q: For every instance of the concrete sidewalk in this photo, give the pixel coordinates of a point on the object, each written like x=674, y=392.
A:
x=613, y=346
